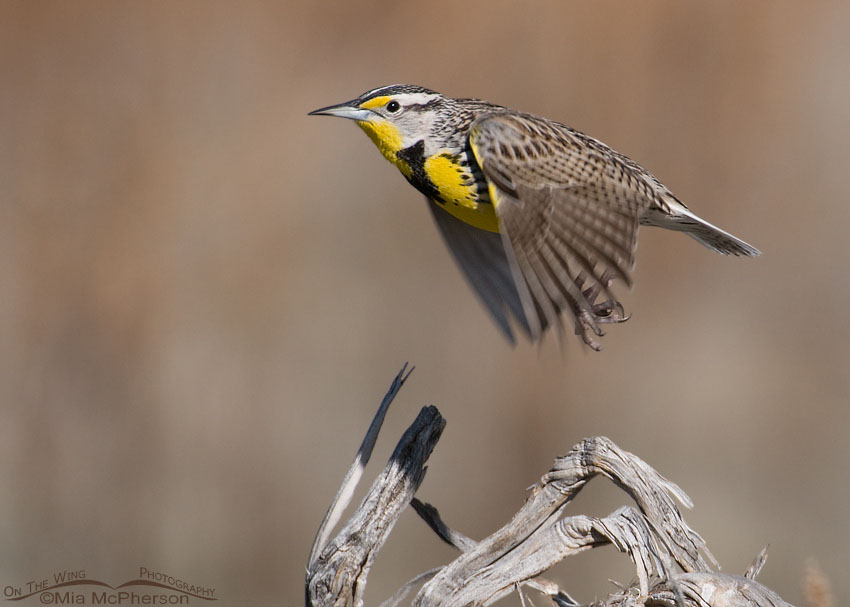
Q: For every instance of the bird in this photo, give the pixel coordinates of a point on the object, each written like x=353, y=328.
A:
x=540, y=217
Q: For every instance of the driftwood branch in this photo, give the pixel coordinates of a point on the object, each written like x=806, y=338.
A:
x=673, y=566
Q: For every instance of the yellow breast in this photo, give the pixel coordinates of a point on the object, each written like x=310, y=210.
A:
x=386, y=136
x=454, y=182
x=458, y=192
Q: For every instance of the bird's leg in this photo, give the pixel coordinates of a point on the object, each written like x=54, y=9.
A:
x=606, y=311
x=610, y=311
x=589, y=319
x=586, y=327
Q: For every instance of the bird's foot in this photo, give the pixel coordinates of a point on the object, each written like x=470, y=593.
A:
x=610, y=311
x=588, y=320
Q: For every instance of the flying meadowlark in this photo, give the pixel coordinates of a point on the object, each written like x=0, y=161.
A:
x=540, y=217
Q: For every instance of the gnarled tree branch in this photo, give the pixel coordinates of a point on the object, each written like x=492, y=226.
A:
x=673, y=565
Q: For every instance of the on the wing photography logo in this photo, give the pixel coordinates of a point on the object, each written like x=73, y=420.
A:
x=74, y=587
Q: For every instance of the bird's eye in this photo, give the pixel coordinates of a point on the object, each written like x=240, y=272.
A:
x=393, y=106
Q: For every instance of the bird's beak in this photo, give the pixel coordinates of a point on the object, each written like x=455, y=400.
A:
x=348, y=110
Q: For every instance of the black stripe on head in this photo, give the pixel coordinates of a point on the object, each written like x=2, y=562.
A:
x=395, y=89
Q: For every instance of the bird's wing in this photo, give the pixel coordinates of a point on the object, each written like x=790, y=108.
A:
x=482, y=257
x=568, y=209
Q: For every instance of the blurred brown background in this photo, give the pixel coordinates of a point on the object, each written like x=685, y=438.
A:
x=204, y=293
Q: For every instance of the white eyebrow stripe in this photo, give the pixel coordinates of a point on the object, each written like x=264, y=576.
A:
x=414, y=98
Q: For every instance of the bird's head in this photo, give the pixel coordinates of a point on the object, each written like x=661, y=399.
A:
x=395, y=117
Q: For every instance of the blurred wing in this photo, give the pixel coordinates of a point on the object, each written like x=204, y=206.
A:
x=568, y=208
x=482, y=257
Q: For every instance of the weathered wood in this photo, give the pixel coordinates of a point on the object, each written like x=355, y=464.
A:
x=673, y=565
x=337, y=570
x=352, y=477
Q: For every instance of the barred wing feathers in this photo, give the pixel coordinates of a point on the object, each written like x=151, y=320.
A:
x=569, y=210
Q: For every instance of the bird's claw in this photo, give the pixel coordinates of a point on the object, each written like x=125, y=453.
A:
x=588, y=320
x=610, y=311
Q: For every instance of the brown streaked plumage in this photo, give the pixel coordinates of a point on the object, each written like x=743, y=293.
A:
x=540, y=217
